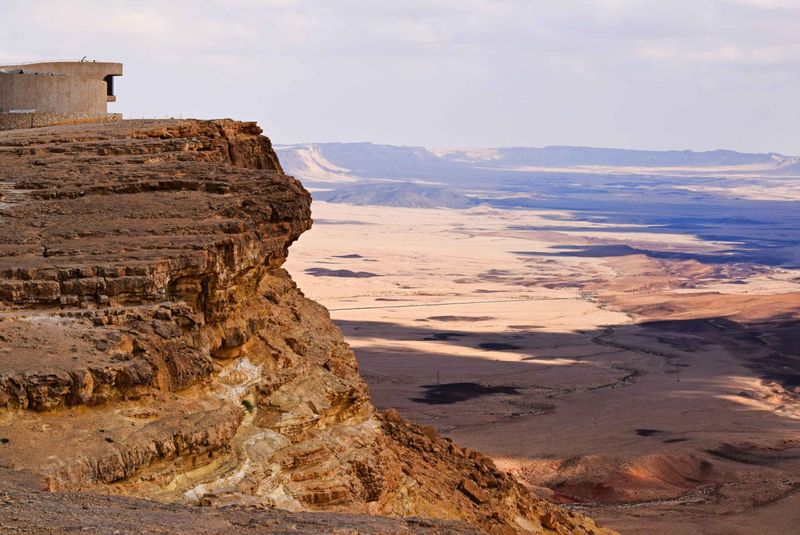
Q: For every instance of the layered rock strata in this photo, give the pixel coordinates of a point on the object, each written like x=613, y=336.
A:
x=151, y=345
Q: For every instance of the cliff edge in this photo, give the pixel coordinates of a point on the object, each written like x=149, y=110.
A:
x=152, y=349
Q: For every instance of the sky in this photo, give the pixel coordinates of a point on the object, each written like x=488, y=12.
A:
x=645, y=74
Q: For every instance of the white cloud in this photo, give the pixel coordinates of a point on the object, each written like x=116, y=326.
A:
x=726, y=53
x=773, y=4
x=471, y=71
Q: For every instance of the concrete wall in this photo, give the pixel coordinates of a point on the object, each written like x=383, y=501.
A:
x=52, y=94
x=59, y=87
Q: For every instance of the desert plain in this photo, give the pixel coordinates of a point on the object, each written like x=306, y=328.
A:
x=646, y=377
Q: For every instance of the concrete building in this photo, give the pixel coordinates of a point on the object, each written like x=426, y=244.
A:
x=63, y=92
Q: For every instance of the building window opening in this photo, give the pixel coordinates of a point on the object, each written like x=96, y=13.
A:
x=109, y=85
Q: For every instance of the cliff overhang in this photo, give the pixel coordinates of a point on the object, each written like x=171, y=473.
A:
x=153, y=347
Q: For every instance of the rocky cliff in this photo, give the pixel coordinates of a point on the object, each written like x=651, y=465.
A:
x=151, y=347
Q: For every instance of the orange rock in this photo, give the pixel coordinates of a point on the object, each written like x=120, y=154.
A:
x=473, y=491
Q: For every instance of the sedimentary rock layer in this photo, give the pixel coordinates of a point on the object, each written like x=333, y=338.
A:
x=152, y=346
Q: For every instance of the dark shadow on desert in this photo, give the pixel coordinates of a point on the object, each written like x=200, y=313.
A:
x=769, y=347
x=670, y=399
x=763, y=232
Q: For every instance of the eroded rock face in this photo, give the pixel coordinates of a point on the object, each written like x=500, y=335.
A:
x=24, y=509
x=151, y=345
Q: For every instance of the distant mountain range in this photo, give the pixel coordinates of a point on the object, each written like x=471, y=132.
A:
x=350, y=162
x=564, y=156
x=751, y=202
x=399, y=194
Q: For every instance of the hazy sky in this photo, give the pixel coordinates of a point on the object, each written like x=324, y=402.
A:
x=662, y=74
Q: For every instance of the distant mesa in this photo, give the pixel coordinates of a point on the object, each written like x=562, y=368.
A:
x=460, y=318
x=346, y=273
x=57, y=92
x=401, y=195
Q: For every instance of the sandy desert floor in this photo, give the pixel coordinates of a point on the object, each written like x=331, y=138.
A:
x=658, y=396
